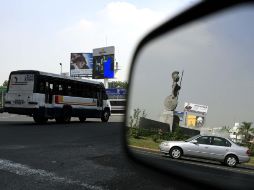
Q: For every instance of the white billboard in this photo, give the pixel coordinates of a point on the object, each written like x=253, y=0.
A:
x=81, y=64
x=195, y=108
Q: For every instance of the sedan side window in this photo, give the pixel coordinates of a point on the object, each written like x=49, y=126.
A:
x=220, y=142
x=203, y=140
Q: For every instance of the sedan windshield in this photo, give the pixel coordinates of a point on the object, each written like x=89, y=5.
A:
x=190, y=139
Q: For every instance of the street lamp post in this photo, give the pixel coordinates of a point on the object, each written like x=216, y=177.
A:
x=61, y=68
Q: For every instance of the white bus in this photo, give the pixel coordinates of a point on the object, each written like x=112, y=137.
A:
x=50, y=96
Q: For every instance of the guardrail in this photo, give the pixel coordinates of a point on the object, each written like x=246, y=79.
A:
x=118, y=106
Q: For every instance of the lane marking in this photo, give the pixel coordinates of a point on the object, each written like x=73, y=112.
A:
x=24, y=170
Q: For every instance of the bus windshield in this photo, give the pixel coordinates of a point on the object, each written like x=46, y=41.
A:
x=21, y=82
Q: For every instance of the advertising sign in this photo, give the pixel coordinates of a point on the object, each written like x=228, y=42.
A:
x=200, y=121
x=103, y=62
x=196, y=108
x=81, y=64
x=116, y=92
x=195, y=121
x=179, y=114
x=191, y=120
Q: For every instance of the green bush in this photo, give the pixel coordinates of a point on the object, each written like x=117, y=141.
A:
x=251, y=148
x=156, y=134
x=155, y=138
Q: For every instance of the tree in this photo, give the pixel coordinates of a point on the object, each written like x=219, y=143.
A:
x=118, y=84
x=5, y=83
x=134, y=122
x=226, y=129
x=245, y=130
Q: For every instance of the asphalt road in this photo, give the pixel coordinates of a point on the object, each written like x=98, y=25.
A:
x=71, y=156
x=210, y=172
x=85, y=156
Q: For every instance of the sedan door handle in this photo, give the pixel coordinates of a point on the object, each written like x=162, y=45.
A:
x=206, y=146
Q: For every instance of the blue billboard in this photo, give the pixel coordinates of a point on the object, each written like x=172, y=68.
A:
x=103, y=62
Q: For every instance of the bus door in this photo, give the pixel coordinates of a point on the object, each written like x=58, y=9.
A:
x=99, y=99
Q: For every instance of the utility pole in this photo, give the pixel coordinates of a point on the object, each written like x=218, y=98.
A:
x=106, y=82
x=61, y=68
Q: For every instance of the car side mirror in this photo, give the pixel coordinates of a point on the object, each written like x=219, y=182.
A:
x=188, y=76
x=194, y=141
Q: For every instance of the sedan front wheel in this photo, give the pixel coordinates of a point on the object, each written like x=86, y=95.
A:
x=175, y=152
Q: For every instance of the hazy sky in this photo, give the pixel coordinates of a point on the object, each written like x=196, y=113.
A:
x=216, y=55
x=39, y=34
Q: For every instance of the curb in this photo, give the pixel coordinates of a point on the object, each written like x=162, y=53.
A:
x=248, y=166
x=145, y=149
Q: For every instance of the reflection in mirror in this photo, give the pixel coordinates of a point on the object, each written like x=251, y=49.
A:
x=198, y=83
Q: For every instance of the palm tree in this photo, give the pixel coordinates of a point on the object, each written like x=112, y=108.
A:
x=245, y=129
x=226, y=129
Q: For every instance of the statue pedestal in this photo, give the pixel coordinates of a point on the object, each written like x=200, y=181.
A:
x=167, y=117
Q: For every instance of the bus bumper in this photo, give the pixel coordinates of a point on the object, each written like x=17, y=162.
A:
x=21, y=111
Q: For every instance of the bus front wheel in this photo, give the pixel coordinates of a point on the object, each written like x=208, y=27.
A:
x=82, y=119
x=105, y=116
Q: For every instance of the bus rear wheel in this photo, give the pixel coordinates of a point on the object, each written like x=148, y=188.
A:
x=105, y=116
x=40, y=120
x=65, y=116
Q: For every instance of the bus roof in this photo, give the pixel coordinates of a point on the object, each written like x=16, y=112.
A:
x=55, y=75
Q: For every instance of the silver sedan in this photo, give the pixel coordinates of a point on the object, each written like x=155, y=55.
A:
x=208, y=147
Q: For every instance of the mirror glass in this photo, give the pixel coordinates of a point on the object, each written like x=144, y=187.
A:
x=196, y=83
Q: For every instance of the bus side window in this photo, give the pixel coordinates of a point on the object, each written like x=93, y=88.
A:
x=79, y=90
x=87, y=89
x=88, y=92
x=56, y=88
x=51, y=86
x=84, y=90
x=41, y=87
x=105, y=96
x=69, y=93
x=60, y=89
x=47, y=87
x=94, y=94
x=75, y=89
x=51, y=89
x=65, y=89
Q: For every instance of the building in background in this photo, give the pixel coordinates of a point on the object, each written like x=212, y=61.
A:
x=235, y=136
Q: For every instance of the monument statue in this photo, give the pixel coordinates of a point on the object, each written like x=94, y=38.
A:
x=171, y=101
